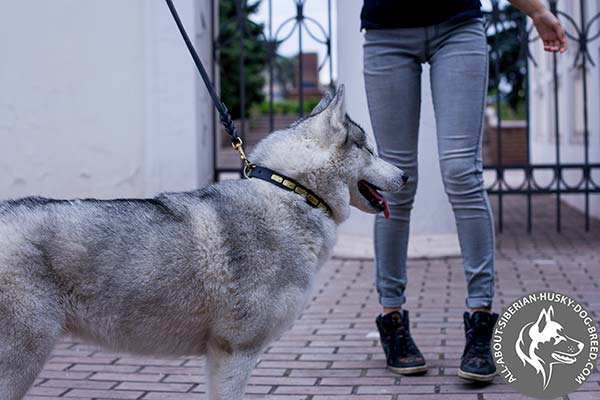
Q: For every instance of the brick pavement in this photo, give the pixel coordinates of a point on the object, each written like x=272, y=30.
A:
x=331, y=352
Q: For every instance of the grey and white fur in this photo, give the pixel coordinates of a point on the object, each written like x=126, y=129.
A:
x=221, y=271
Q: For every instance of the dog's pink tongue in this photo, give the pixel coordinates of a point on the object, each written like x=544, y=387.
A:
x=379, y=196
x=386, y=209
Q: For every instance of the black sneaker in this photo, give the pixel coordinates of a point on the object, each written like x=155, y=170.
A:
x=477, y=363
x=401, y=352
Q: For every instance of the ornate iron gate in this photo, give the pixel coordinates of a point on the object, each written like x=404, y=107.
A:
x=501, y=20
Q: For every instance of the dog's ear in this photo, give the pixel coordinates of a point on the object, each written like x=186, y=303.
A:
x=337, y=106
x=330, y=122
x=544, y=318
x=325, y=100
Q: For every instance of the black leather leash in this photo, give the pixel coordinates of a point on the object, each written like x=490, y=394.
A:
x=250, y=170
x=226, y=119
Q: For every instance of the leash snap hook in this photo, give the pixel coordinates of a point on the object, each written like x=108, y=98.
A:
x=238, y=145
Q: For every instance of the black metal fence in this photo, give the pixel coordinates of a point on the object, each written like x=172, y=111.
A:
x=580, y=34
x=510, y=38
x=299, y=26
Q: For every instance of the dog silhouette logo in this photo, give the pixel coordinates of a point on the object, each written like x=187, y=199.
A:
x=545, y=345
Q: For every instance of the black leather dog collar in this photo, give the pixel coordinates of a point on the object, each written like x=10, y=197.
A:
x=289, y=184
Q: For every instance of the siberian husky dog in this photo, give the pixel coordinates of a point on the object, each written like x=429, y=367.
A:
x=221, y=271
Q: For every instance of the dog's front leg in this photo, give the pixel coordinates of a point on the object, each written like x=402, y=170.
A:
x=228, y=372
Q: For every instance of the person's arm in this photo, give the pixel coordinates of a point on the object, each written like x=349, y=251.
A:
x=545, y=23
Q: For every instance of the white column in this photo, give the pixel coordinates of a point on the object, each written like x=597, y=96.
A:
x=433, y=230
x=99, y=99
x=178, y=108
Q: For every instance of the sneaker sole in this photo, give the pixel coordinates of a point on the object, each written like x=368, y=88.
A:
x=409, y=370
x=476, y=377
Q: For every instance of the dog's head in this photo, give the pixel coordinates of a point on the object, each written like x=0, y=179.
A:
x=544, y=343
x=333, y=156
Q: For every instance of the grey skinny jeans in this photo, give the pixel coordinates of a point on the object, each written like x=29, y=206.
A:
x=458, y=55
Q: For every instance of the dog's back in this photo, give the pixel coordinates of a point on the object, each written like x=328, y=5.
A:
x=95, y=260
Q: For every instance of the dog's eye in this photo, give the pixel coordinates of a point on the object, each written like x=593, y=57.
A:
x=360, y=146
x=558, y=339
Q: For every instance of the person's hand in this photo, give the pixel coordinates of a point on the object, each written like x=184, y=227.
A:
x=550, y=31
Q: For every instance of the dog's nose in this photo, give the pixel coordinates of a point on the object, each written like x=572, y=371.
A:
x=404, y=178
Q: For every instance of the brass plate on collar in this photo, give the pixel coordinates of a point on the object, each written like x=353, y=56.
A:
x=312, y=199
x=301, y=191
x=289, y=184
x=276, y=178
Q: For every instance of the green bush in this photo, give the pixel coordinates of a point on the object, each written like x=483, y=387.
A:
x=517, y=113
x=285, y=107
x=508, y=112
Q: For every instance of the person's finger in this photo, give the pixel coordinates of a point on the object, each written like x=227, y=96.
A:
x=562, y=38
x=560, y=32
x=551, y=46
x=556, y=46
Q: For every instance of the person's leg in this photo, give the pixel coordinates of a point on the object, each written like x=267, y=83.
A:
x=459, y=70
x=392, y=71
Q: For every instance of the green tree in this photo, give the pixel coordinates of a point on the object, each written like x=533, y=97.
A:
x=509, y=58
x=231, y=28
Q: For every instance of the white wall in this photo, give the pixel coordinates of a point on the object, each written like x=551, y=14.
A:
x=98, y=99
x=432, y=214
x=542, y=138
